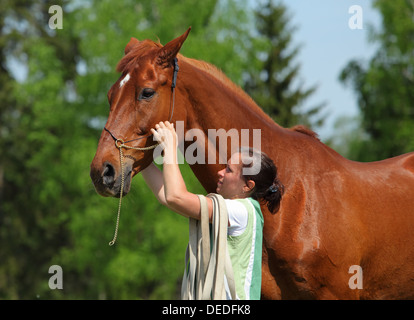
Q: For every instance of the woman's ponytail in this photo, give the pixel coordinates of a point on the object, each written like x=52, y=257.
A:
x=267, y=185
x=273, y=195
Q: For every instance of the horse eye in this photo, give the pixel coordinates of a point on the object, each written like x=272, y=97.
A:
x=146, y=94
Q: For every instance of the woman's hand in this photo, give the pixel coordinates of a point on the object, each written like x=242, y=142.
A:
x=176, y=196
x=165, y=134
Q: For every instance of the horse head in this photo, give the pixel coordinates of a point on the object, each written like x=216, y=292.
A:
x=139, y=99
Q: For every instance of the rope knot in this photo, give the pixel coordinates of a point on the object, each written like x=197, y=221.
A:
x=119, y=143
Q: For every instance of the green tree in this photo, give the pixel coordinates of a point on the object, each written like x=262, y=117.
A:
x=384, y=85
x=276, y=88
x=51, y=120
x=39, y=183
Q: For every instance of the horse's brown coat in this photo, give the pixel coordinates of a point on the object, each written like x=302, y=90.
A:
x=335, y=213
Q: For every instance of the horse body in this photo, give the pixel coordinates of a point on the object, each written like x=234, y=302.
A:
x=341, y=215
x=334, y=214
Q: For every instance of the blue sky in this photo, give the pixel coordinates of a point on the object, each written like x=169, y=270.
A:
x=327, y=45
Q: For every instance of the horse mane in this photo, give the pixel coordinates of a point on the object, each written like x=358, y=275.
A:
x=305, y=130
x=219, y=75
x=130, y=60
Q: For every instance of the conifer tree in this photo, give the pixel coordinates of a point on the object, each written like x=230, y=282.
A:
x=276, y=89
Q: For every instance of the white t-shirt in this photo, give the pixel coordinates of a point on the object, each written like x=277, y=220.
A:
x=238, y=217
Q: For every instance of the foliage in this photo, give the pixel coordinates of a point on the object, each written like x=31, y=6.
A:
x=384, y=86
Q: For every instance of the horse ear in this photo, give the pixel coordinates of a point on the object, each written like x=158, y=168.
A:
x=132, y=43
x=171, y=49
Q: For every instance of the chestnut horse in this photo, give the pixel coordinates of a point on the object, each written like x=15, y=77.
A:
x=344, y=230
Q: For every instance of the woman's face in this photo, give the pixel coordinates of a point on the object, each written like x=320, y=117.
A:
x=231, y=185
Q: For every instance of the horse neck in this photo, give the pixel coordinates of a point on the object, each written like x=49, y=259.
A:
x=211, y=101
x=216, y=102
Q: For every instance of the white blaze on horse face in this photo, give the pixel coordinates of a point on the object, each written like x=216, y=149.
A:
x=124, y=80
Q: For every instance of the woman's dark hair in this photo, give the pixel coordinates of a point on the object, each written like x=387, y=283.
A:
x=267, y=185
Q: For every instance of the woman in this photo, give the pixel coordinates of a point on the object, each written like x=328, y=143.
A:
x=242, y=194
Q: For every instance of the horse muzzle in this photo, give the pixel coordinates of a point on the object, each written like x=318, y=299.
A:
x=107, y=179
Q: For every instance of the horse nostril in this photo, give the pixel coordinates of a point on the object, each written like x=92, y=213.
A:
x=108, y=175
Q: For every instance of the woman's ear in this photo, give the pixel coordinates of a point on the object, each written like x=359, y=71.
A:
x=250, y=184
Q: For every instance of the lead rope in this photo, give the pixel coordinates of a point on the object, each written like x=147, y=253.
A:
x=121, y=160
x=119, y=143
x=205, y=269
